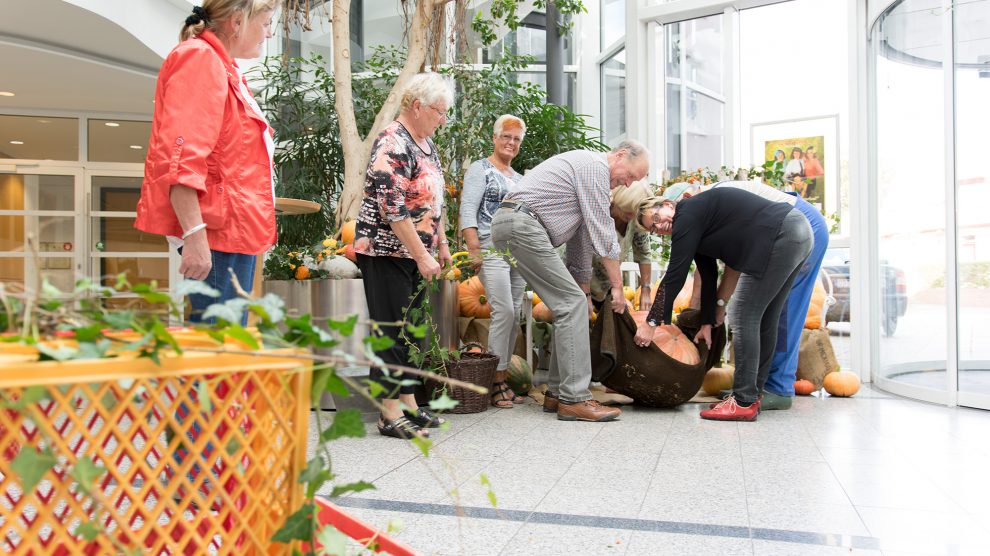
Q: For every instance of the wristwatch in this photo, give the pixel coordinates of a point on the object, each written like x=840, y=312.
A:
x=721, y=302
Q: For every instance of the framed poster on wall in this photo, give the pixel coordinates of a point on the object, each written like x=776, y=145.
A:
x=809, y=152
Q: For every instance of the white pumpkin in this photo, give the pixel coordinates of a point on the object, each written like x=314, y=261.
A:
x=339, y=267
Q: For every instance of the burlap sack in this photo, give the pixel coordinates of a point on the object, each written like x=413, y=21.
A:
x=647, y=375
x=816, y=358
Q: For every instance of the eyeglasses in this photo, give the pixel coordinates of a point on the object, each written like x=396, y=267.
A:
x=510, y=138
x=444, y=115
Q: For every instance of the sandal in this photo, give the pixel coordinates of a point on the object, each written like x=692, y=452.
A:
x=504, y=397
x=423, y=418
x=401, y=427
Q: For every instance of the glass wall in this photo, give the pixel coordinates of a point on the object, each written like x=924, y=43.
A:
x=613, y=81
x=694, y=94
x=931, y=204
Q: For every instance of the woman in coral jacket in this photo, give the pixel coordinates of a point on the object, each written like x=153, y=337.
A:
x=208, y=177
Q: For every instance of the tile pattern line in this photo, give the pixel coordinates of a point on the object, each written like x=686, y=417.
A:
x=656, y=526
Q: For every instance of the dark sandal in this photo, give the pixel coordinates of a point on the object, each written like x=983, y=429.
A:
x=500, y=395
x=401, y=428
x=423, y=418
x=503, y=387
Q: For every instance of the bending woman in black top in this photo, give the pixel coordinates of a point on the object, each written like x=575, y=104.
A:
x=766, y=242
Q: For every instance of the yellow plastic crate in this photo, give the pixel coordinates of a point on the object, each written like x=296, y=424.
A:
x=183, y=475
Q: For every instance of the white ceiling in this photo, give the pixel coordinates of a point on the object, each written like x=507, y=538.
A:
x=56, y=56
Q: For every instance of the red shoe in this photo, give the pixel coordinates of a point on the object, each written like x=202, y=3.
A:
x=729, y=410
x=713, y=405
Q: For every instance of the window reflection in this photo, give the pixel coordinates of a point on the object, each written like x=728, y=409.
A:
x=614, y=98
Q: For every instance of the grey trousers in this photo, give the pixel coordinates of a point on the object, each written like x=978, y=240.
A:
x=542, y=268
x=504, y=287
x=756, y=304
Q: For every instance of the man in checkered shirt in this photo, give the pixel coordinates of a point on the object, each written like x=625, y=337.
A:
x=565, y=200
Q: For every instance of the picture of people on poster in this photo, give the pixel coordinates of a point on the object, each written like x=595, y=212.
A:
x=802, y=159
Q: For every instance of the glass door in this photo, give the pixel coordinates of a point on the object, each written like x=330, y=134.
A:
x=972, y=191
x=114, y=245
x=40, y=227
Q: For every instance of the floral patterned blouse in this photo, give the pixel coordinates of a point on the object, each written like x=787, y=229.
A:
x=402, y=182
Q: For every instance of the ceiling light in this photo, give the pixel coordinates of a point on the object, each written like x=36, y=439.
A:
x=15, y=142
x=136, y=147
x=44, y=121
x=111, y=124
x=6, y=94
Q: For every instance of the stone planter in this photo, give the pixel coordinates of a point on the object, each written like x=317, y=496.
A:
x=339, y=299
x=296, y=294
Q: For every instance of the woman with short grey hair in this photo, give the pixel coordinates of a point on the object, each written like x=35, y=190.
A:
x=400, y=237
x=485, y=184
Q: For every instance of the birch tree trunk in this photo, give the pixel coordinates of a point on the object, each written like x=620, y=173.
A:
x=357, y=150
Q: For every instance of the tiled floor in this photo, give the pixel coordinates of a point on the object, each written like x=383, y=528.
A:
x=873, y=474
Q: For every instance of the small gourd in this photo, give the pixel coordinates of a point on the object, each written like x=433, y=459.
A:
x=803, y=387
x=718, y=379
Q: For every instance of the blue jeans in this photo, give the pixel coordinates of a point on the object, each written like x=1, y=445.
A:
x=219, y=278
x=783, y=368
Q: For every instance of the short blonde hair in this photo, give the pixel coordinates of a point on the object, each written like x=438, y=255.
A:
x=510, y=121
x=220, y=10
x=428, y=88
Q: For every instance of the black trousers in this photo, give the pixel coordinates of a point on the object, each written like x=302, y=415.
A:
x=389, y=284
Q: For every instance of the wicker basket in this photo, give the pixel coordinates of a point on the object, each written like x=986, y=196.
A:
x=476, y=368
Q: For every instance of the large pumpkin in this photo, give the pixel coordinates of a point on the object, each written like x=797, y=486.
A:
x=718, y=379
x=815, y=307
x=542, y=313
x=347, y=231
x=671, y=340
x=842, y=383
x=471, y=299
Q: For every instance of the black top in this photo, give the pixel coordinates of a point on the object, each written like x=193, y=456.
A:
x=724, y=223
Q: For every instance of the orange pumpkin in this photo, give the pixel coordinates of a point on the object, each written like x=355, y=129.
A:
x=814, y=319
x=302, y=272
x=536, y=299
x=350, y=253
x=347, y=231
x=803, y=387
x=542, y=313
x=842, y=384
x=471, y=299
x=718, y=379
x=671, y=340
x=683, y=299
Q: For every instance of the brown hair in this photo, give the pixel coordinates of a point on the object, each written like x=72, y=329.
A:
x=214, y=11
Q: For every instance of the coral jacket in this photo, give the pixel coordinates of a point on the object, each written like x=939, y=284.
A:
x=206, y=136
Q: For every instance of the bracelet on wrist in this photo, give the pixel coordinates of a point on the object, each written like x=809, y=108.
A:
x=193, y=230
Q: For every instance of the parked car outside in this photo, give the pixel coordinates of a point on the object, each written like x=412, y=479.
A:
x=893, y=290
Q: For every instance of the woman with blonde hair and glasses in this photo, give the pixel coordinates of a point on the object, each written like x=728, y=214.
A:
x=208, y=183
x=485, y=185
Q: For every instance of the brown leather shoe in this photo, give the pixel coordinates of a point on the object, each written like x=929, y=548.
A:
x=589, y=410
x=550, y=402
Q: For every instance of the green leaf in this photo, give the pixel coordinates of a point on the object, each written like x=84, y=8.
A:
x=332, y=541
x=119, y=319
x=237, y=332
x=86, y=472
x=345, y=327
x=418, y=332
x=60, y=354
x=379, y=343
x=424, y=444
x=93, y=350
x=187, y=287
x=203, y=395
x=147, y=293
x=443, y=403
x=88, y=333
x=31, y=465
x=297, y=527
x=30, y=395
x=232, y=447
x=351, y=487
x=346, y=423
x=88, y=531
x=312, y=471
x=375, y=389
x=491, y=493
